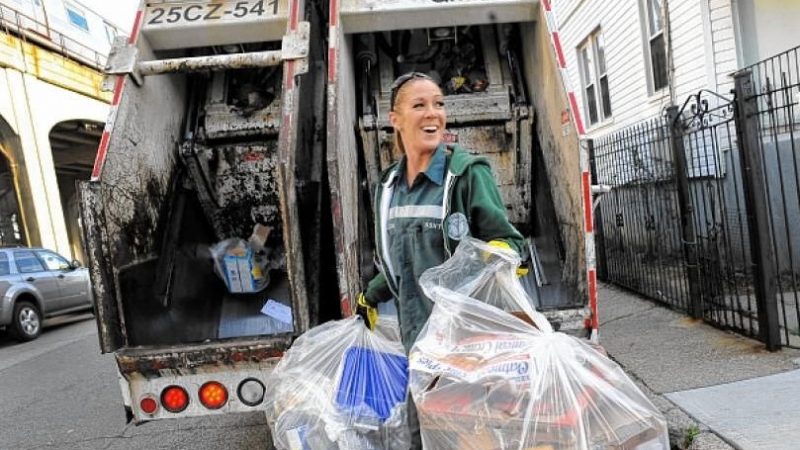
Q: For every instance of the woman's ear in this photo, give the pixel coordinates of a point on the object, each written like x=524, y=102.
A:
x=393, y=119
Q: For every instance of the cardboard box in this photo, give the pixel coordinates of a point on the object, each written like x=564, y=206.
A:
x=239, y=272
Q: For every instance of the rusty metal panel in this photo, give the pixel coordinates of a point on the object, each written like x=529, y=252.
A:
x=210, y=63
x=139, y=165
x=343, y=169
x=191, y=359
x=559, y=148
x=240, y=188
x=110, y=329
x=221, y=121
x=289, y=183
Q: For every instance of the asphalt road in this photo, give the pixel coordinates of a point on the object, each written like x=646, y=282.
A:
x=59, y=392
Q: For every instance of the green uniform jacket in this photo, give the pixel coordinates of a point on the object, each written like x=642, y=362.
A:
x=472, y=204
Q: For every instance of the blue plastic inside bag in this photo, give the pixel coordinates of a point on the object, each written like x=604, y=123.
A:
x=374, y=379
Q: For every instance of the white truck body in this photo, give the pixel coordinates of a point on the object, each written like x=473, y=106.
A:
x=231, y=114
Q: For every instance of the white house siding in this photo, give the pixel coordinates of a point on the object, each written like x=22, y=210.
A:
x=698, y=60
x=688, y=48
x=624, y=58
x=723, y=38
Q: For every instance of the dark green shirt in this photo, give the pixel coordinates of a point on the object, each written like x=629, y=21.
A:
x=416, y=242
x=412, y=239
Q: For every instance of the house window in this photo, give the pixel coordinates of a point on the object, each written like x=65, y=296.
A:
x=77, y=18
x=656, y=44
x=594, y=78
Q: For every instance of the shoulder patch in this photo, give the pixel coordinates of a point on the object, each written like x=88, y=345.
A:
x=457, y=226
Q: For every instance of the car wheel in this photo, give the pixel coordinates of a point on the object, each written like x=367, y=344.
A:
x=27, y=323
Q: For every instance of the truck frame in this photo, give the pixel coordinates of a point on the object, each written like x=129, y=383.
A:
x=229, y=114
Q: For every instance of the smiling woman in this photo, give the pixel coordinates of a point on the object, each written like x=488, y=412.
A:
x=425, y=204
x=418, y=117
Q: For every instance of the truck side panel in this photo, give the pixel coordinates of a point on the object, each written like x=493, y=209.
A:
x=130, y=200
x=110, y=329
x=342, y=164
x=511, y=113
x=559, y=153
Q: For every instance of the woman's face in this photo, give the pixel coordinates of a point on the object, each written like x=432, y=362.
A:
x=419, y=115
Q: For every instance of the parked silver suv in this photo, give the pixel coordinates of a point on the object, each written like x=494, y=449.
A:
x=36, y=283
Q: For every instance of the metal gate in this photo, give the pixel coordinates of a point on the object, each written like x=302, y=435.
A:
x=773, y=101
x=704, y=211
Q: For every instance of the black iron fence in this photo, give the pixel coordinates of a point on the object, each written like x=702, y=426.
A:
x=775, y=99
x=704, y=211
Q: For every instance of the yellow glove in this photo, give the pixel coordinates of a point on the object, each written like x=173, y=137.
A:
x=521, y=271
x=368, y=313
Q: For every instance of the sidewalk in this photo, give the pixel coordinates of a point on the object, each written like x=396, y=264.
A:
x=686, y=365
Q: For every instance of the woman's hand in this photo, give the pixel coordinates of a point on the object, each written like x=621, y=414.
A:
x=368, y=313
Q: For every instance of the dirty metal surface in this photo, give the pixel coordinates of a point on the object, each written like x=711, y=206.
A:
x=210, y=63
x=224, y=121
x=240, y=186
x=342, y=164
x=110, y=331
x=140, y=164
x=190, y=359
x=558, y=148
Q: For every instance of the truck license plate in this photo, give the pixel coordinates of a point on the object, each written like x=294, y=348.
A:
x=167, y=13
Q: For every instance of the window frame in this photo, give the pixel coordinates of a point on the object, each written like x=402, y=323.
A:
x=41, y=255
x=589, y=66
x=71, y=10
x=649, y=38
x=5, y=262
x=36, y=258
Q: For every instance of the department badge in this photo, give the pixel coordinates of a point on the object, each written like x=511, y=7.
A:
x=457, y=226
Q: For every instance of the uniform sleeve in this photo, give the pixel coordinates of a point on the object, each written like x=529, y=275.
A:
x=378, y=290
x=488, y=218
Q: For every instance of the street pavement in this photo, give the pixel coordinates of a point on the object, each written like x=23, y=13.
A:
x=725, y=388
x=59, y=392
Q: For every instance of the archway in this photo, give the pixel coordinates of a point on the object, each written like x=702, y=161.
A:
x=74, y=145
x=12, y=222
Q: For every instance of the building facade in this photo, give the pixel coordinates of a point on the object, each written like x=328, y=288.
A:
x=52, y=113
x=630, y=59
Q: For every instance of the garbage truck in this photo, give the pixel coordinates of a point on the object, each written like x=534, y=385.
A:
x=229, y=207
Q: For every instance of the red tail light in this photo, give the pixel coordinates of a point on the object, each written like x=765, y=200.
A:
x=175, y=399
x=213, y=395
x=148, y=404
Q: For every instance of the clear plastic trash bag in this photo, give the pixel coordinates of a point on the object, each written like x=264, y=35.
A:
x=483, y=378
x=340, y=386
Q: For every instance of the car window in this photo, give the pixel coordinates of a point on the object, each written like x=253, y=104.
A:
x=53, y=261
x=27, y=262
x=5, y=267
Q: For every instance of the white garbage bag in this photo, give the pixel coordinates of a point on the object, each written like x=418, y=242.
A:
x=340, y=386
x=488, y=372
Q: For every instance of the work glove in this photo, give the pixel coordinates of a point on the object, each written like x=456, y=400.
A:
x=368, y=313
x=521, y=270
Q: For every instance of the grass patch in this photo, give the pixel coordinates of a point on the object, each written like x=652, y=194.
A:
x=690, y=435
